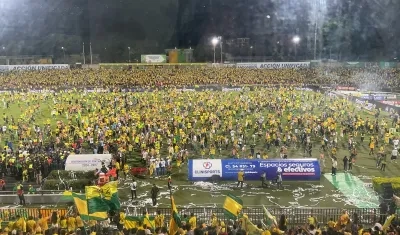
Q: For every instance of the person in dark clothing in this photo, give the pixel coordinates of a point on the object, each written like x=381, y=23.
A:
x=351, y=159
x=264, y=180
x=154, y=193
x=345, y=163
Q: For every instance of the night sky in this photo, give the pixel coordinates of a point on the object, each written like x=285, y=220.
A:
x=366, y=30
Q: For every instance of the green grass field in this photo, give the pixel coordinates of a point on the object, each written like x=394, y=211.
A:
x=160, y=105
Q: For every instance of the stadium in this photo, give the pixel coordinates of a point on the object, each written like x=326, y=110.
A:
x=235, y=135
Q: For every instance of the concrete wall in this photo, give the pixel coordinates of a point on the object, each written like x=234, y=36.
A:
x=31, y=199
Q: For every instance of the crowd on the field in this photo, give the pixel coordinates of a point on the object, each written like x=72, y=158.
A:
x=160, y=127
x=172, y=77
x=73, y=223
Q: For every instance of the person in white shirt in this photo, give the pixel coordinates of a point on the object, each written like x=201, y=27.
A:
x=394, y=154
x=334, y=165
x=133, y=188
x=395, y=143
x=162, y=166
x=157, y=163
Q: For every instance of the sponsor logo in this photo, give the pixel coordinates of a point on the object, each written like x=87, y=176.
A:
x=207, y=168
x=207, y=165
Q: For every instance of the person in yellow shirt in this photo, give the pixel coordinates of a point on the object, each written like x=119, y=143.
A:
x=79, y=222
x=159, y=220
x=20, y=224
x=31, y=225
x=71, y=224
x=121, y=221
x=240, y=178
x=43, y=223
x=344, y=218
x=126, y=170
x=312, y=220
x=117, y=167
x=193, y=221
x=10, y=224
x=331, y=223
x=214, y=220
x=39, y=231
x=63, y=222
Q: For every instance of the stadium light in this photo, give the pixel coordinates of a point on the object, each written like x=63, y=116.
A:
x=296, y=39
x=214, y=42
x=63, y=49
x=129, y=54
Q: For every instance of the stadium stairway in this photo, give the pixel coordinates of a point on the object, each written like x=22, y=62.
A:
x=12, y=181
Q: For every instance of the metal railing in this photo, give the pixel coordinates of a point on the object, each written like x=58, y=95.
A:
x=295, y=216
x=37, y=192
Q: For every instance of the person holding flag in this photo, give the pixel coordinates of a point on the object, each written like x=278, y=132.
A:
x=175, y=221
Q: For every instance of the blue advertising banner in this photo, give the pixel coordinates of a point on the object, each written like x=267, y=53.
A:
x=227, y=169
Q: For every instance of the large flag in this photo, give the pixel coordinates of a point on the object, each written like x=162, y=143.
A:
x=110, y=193
x=149, y=221
x=232, y=206
x=97, y=206
x=175, y=221
x=81, y=205
x=269, y=218
x=131, y=222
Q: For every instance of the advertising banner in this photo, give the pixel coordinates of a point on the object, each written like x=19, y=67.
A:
x=345, y=88
x=153, y=59
x=274, y=65
x=372, y=97
x=392, y=102
x=388, y=96
x=37, y=67
x=227, y=169
x=365, y=104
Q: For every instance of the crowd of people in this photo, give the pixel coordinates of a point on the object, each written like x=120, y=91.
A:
x=172, y=77
x=41, y=129
x=119, y=223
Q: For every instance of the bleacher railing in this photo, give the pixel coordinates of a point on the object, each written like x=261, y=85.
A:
x=295, y=216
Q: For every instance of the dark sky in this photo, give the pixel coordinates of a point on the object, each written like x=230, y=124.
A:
x=357, y=29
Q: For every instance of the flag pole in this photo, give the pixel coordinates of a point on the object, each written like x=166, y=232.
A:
x=91, y=55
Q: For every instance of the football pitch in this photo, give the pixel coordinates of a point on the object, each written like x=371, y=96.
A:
x=352, y=189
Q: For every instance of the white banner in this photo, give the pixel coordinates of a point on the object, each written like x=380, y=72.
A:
x=37, y=67
x=86, y=162
x=153, y=59
x=274, y=65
